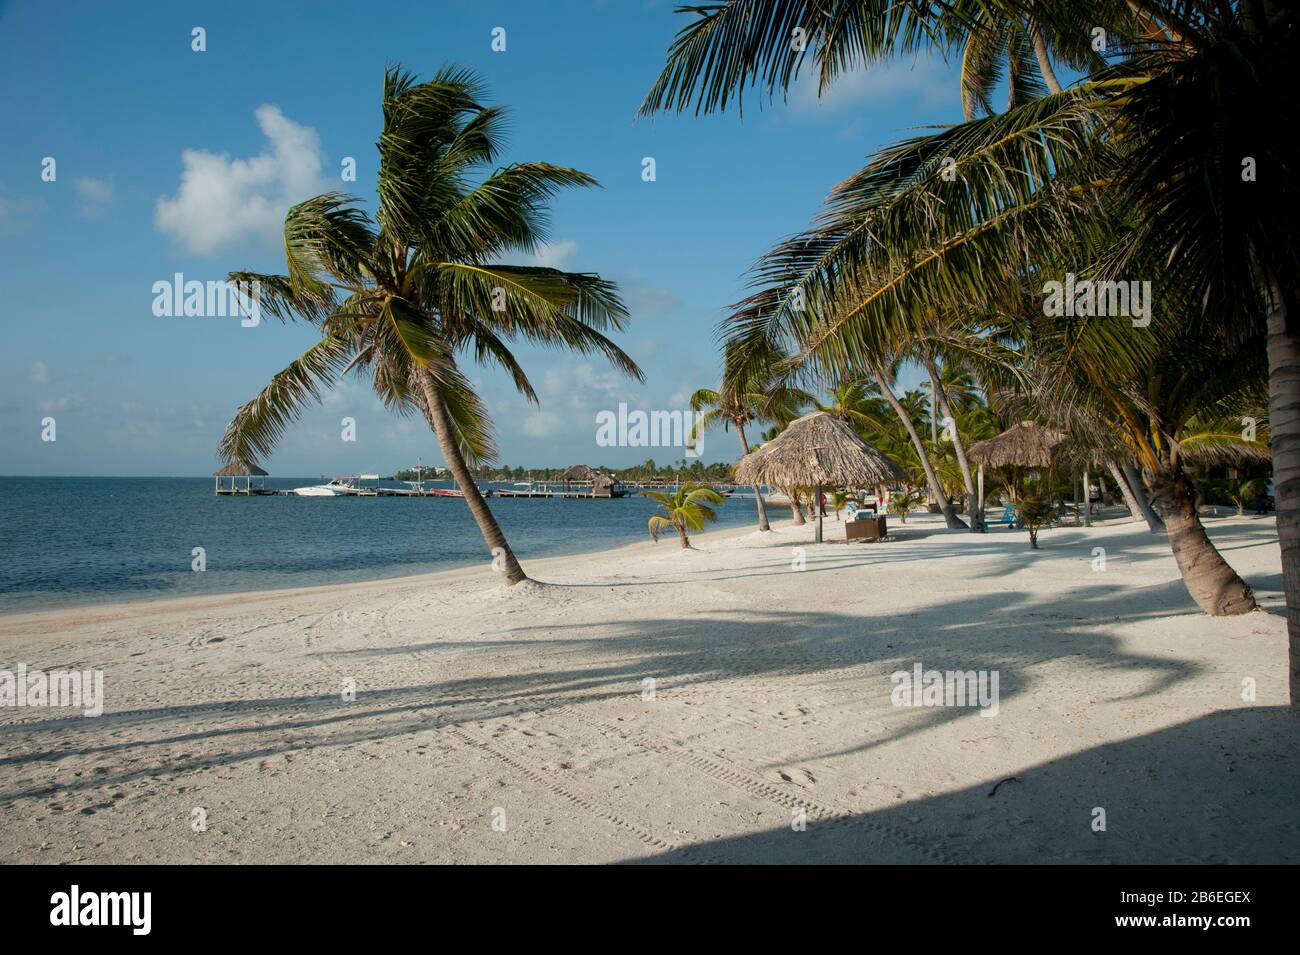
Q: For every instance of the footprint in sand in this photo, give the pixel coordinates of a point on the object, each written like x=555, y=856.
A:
x=800, y=777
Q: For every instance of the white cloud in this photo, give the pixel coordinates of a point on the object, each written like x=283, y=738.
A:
x=93, y=190
x=543, y=424
x=222, y=201
x=16, y=214
x=66, y=403
x=39, y=372
x=553, y=255
x=925, y=80
x=580, y=383
x=645, y=300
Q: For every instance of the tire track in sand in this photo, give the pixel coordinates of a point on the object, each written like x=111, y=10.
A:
x=584, y=802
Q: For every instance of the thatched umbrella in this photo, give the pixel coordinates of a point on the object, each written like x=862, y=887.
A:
x=239, y=468
x=1025, y=445
x=817, y=449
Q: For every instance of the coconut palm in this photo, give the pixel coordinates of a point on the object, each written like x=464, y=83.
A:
x=838, y=499
x=1034, y=513
x=857, y=402
x=1177, y=130
x=739, y=44
x=1157, y=397
x=689, y=507
x=903, y=502
x=1242, y=492
x=405, y=296
x=927, y=351
x=910, y=409
x=762, y=397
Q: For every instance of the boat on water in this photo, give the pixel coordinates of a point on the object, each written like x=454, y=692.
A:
x=336, y=487
x=352, y=487
x=443, y=492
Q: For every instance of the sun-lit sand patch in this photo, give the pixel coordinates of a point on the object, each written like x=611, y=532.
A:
x=653, y=704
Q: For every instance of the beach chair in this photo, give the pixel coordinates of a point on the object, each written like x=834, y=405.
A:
x=1008, y=517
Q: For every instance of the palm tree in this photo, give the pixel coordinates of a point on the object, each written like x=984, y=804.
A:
x=761, y=397
x=1159, y=399
x=402, y=296
x=1242, y=491
x=857, y=402
x=1034, y=513
x=902, y=502
x=1178, y=129
x=884, y=379
x=689, y=507
x=928, y=354
x=838, y=499
x=738, y=44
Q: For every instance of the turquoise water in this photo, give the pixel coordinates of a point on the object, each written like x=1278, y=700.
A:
x=69, y=541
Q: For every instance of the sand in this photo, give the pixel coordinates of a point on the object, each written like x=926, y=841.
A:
x=515, y=725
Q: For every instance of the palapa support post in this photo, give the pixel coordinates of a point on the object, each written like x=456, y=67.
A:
x=1087, y=498
x=817, y=503
x=979, y=503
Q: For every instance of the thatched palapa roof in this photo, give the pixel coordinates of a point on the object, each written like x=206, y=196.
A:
x=817, y=449
x=579, y=472
x=240, y=468
x=1027, y=445
x=586, y=475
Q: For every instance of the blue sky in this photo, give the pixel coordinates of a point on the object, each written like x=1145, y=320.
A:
x=170, y=160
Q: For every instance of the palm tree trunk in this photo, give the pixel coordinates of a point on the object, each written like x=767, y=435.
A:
x=1284, y=420
x=936, y=491
x=1134, y=512
x=498, y=546
x=1154, y=523
x=1044, y=61
x=795, y=509
x=1211, y=581
x=958, y=447
x=758, y=494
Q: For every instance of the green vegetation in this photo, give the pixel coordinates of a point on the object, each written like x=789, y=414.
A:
x=688, y=508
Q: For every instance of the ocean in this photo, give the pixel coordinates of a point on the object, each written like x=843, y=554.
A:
x=75, y=541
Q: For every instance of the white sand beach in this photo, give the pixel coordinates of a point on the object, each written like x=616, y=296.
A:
x=526, y=708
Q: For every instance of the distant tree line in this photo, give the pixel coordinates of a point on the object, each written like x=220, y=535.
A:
x=649, y=470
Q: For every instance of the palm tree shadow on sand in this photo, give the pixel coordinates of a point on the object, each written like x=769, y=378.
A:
x=1218, y=789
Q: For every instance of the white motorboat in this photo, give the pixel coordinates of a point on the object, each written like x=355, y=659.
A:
x=335, y=488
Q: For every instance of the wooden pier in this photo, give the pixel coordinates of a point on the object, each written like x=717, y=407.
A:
x=532, y=492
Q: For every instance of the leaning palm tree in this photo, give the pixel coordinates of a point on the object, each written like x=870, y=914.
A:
x=688, y=508
x=1154, y=397
x=1178, y=129
x=885, y=376
x=735, y=45
x=403, y=297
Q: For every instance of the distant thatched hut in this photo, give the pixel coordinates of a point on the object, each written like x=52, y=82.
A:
x=602, y=485
x=1025, y=445
x=234, y=471
x=578, y=473
x=814, y=451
